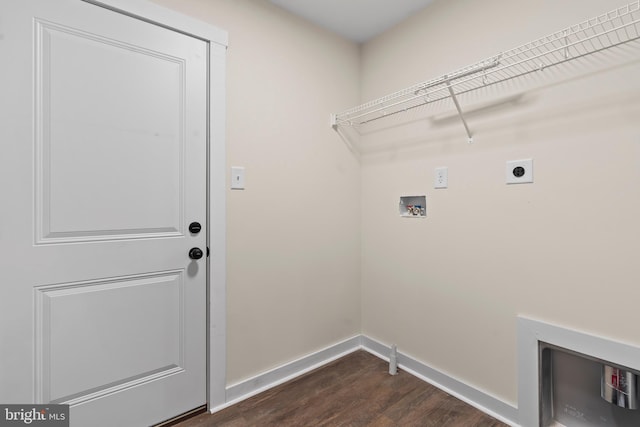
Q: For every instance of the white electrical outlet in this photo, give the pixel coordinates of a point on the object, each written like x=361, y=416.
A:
x=441, y=177
x=519, y=171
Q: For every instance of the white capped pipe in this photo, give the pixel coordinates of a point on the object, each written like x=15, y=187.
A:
x=393, y=360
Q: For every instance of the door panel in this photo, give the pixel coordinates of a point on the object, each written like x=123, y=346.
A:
x=79, y=147
x=102, y=168
x=77, y=331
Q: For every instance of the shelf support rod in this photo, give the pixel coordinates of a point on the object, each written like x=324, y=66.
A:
x=457, y=104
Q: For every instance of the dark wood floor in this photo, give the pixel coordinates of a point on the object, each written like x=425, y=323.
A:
x=355, y=390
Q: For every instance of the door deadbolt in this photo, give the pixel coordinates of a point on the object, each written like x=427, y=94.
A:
x=195, y=253
x=195, y=227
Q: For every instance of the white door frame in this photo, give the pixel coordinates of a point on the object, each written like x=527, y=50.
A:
x=217, y=40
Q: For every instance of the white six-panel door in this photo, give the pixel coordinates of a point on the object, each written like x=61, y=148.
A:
x=102, y=169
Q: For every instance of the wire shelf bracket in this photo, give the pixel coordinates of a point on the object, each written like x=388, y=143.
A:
x=460, y=114
x=615, y=28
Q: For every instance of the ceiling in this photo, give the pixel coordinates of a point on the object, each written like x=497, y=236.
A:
x=356, y=20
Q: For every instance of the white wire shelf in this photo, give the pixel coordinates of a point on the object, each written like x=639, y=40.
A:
x=612, y=29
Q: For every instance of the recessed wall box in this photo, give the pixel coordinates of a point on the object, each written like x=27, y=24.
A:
x=578, y=390
x=413, y=206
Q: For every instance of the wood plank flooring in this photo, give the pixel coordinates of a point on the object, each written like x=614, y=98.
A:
x=355, y=390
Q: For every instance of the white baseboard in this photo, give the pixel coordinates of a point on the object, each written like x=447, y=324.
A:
x=474, y=397
x=484, y=402
x=252, y=386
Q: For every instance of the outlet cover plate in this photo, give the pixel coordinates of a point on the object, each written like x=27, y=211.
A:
x=519, y=171
x=237, y=178
x=441, y=179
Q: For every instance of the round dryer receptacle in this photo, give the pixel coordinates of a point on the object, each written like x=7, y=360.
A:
x=518, y=171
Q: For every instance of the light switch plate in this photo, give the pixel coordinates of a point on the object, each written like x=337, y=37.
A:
x=519, y=171
x=441, y=179
x=237, y=178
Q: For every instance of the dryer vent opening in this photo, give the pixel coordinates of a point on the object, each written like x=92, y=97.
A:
x=578, y=390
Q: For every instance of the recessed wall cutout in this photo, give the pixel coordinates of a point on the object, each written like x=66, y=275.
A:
x=413, y=206
x=519, y=171
x=577, y=390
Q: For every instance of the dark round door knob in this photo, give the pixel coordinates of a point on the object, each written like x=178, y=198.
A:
x=195, y=253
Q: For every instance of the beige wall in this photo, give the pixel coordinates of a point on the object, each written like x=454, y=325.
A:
x=447, y=289
x=293, y=234
x=308, y=265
